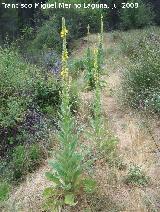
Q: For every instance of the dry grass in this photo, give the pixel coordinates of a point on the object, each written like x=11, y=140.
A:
x=28, y=196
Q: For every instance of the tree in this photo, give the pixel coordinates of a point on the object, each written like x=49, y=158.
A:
x=136, y=17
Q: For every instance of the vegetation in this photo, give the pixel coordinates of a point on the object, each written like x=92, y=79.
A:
x=137, y=177
x=67, y=168
x=71, y=100
x=141, y=81
x=138, y=17
x=4, y=191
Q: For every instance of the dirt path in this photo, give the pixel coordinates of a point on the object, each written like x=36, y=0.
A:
x=136, y=146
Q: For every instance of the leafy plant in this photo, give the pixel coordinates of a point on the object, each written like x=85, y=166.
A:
x=15, y=85
x=47, y=94
x=136, y=177
x=24, y=160
x=27, y=96
x=89, y=70
x=4, y=190
x=89, y=64
x=74, y=97
x=97, y=121
x=67, y=167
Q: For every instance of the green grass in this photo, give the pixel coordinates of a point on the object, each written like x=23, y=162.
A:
x=4, y=191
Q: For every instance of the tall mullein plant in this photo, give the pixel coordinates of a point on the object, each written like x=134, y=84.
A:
x=67, y=136
x=66, y=168
x=100, y=46
x=97, y=121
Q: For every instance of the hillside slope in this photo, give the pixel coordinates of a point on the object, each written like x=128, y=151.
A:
x=135, y=147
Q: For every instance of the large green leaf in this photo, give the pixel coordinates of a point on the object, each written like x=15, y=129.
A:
x=49, y=192
x=89, y=185
x=52, y=178
x=69, y=199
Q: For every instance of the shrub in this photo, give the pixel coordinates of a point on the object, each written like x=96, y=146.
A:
x=136, y=177
x=25, y=92
x=133, y=44
x=21, y=160
x=139, y=87
x=4, y=190
x=136, y=17
x=47, y=94
x=24, y=159
x=77, y=19
x=76, y=67
x=15, y=85
x=47, y=37
x=140, y=83
x=19, y=87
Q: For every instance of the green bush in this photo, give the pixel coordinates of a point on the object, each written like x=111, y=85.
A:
x=136, y=177
x=4, y=190
x=15, y=84
x=140, y=83
x=47, y=94
x=136, y=17
x=77, y=19
x=22, y=85
x=24, y=159
x=134, y=43
x=26, y=93
x=47, y=37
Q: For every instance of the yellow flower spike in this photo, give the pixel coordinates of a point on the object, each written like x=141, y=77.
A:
x=65, y=55
x=64, y=32
x=64, y=73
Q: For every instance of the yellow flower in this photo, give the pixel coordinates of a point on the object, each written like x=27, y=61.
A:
x=96, y=78
x=64, y=32
x=65, y=55
x=64, y=73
